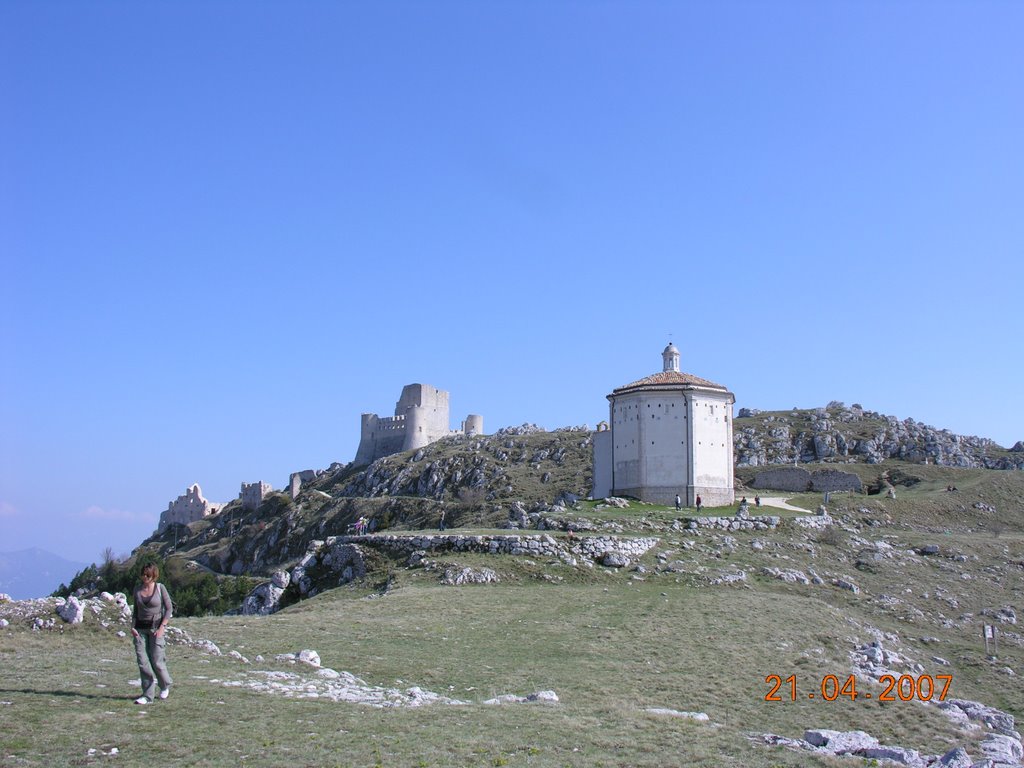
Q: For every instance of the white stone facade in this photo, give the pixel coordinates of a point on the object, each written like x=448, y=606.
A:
x=253, y=494
x=187, y=508
x=669, y=433
x=421, y=417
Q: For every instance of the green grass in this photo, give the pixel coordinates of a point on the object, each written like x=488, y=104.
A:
x=609, y=645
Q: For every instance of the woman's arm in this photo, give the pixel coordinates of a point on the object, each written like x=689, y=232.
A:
x=165, y=599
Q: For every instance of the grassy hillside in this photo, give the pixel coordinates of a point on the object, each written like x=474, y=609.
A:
x=612, y=643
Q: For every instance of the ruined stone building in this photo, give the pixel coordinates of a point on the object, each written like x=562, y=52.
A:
x=421, y=417
x=253, y=494
x=187, y=508
x=669, y=433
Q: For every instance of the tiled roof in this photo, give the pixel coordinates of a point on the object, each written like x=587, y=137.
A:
x=669, y=379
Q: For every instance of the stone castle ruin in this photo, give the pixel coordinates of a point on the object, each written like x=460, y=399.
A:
x=421, y=418
x=253, y=494
x=187, y=508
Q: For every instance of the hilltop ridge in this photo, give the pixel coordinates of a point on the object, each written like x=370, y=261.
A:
x=842, y=434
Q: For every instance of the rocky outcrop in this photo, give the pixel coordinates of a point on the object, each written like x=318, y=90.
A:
x=266, y=598
x=106, y=609
x=998, y=750
x=340, y=559
x=456, y=577
x=483, y=466
x=841, y=433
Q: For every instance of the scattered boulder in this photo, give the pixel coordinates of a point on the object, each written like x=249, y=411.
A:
x=956, y=758
x=72, y=611
x=456, y=576
x=614, y=560
x=311, y=658
x=263, y=600
x=549, y=697
x=700, y=717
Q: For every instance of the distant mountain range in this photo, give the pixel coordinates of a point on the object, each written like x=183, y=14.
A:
x=34, y=572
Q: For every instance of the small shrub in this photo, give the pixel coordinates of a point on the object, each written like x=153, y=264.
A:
x=832, y=537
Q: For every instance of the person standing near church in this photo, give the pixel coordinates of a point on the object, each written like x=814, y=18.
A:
x=699, y=504
x=152, y=612
x=679, y=503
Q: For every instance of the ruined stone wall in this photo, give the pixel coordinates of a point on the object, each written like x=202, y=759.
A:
x=421, y=417
x=253, y=494
x=799, y=480
x=187, y=508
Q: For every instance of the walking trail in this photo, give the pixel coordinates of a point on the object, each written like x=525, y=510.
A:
x=780, y=502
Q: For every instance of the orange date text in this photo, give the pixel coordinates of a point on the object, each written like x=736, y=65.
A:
x=831, y=688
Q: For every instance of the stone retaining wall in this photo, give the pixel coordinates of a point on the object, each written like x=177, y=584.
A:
x=541, y=545
x=759, y=523
x=799, y=480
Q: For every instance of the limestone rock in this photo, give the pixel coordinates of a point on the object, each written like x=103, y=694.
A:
x=896, y=754
x=549, y=697
x=700, y=717
x=836, y=434
x=956, y=758
x=790, y=576
x=840, y=742
x=1002, y=749
x=72, y=611
x=460, y=576
x=998, y=721
x=263, y=600
x=614, y=560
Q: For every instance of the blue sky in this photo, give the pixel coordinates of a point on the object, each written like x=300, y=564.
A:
x=227, y=229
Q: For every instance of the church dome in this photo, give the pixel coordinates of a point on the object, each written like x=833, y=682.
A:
x=669, y=378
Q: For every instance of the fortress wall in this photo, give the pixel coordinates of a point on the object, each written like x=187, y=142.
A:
x=187, y=508
x=833, y=480
x=253, y=494
x=793, y=479
x=799, y=480
x=421, y=417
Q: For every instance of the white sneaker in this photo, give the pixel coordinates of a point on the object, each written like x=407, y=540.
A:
x=143, y=700
x=165, y=692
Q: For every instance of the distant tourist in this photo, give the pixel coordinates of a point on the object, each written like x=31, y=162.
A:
x=440, y=524
x=679, y=503
x=152, y=612
x=757, y=501
x=699, y=504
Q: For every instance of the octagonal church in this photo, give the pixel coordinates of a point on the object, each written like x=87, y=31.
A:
x=669, y=433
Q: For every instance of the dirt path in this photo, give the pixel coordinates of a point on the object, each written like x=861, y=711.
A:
x=780, y=502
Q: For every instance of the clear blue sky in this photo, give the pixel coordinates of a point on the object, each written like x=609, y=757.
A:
x=227, y=229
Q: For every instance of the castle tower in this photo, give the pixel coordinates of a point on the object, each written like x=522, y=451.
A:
x=473, y=425
x=421, y=418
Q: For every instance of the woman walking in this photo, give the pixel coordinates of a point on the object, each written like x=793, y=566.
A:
x=152, y=612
